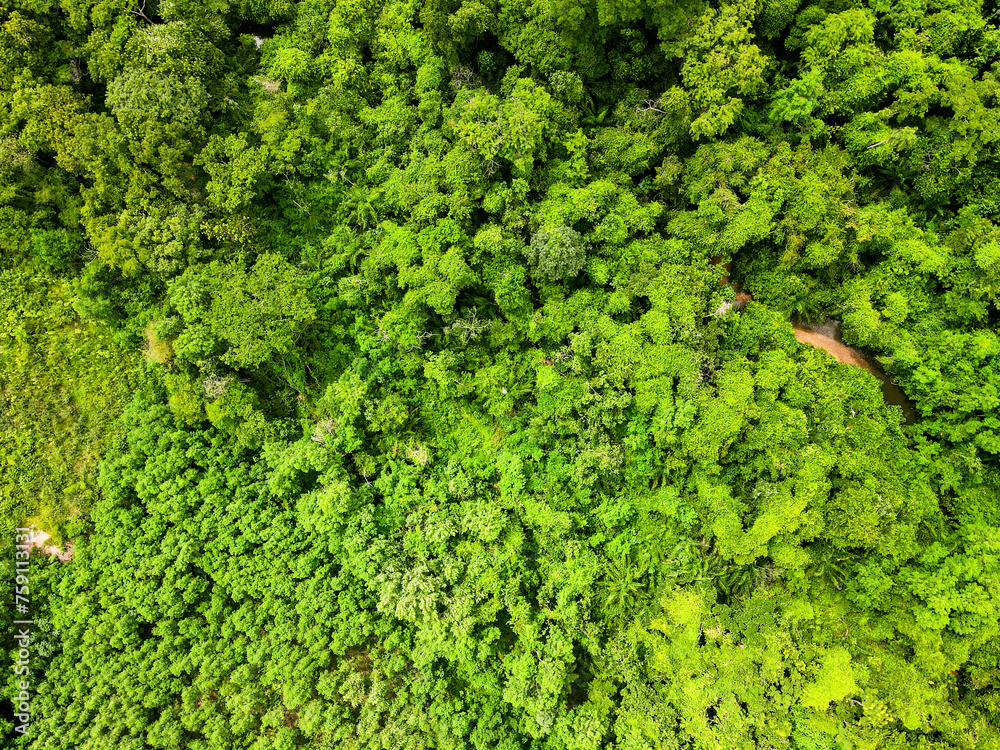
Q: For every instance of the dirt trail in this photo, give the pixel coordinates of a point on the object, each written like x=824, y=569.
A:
x=891, y=393
x=826, y=336
x=844, y=354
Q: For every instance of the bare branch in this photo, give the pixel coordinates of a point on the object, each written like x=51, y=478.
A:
x=141, y=12
x=650, y=105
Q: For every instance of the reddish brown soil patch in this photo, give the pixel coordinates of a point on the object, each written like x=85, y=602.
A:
x=39, y=539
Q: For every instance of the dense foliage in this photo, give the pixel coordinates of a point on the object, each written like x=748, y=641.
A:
x=425, y=419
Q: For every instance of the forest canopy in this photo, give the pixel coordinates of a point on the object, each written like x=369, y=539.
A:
x=424, y=374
